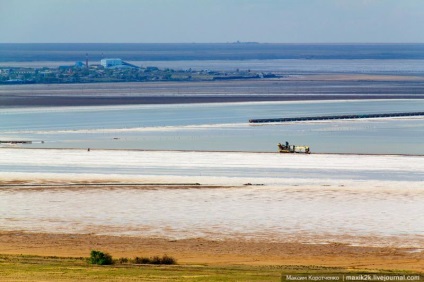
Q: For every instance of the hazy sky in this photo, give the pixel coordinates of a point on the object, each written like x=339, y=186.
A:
x=144, y=21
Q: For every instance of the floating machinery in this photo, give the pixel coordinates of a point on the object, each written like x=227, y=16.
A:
x=287, y=148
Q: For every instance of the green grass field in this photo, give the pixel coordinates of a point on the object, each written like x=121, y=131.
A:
x=35, y=268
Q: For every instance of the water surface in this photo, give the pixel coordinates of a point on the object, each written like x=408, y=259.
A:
x=219, y=127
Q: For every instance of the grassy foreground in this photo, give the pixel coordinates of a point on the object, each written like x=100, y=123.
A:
x=37, y=268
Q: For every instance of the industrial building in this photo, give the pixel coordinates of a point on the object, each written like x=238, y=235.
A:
x=116, y=63
x=107, y=63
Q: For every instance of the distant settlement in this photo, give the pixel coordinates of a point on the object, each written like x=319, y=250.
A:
x=116, y=70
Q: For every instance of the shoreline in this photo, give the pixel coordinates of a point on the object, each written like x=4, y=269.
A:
x=234, y=168
x=207, y=151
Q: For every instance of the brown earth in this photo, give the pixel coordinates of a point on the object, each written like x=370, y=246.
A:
x=213, y=252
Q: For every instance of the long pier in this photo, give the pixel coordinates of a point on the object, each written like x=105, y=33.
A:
x=15, y=142
x=312, y=118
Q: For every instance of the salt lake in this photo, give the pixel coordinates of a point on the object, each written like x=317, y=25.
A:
x=219, y=127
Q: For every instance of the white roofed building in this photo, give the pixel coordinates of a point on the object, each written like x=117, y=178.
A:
x=107, y=63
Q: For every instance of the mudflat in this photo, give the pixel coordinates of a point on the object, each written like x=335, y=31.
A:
x=286, y=88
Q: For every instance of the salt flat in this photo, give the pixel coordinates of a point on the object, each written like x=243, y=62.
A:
x=217, y=168
x=353, y=199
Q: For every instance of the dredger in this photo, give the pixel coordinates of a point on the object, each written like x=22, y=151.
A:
x=293, y=148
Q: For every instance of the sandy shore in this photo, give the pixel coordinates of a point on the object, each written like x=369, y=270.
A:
x=214, y=252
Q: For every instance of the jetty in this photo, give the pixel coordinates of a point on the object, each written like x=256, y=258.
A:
x=335, y=117
x=15, y=142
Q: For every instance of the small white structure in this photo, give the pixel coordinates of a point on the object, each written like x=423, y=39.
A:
x=107, y=63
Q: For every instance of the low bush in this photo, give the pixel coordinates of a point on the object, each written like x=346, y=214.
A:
x=142, y=260
x=123, y=260
x=100, y=258
x=168, y=260
x=155, y=260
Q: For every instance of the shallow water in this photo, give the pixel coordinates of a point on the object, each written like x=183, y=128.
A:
x=219, y=127
x=292, y=66
x=289, y=66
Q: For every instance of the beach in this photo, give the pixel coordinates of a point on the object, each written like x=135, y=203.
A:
x=215, y=207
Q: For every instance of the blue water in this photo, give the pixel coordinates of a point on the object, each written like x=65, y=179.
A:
x=218, y=127
x=293, y=58
x=280, y=66
x=298, y=66
x=219, y=51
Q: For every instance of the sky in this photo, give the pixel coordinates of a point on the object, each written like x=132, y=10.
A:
x=211, y=21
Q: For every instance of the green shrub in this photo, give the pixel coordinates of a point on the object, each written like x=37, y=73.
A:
x=100, y=258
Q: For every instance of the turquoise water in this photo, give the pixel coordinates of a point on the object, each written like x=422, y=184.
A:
x=219, y=127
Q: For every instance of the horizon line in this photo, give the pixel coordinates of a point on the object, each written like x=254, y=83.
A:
x=235, y=43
